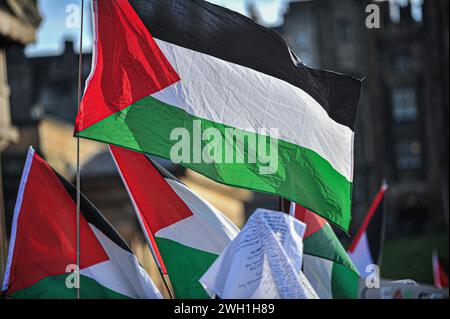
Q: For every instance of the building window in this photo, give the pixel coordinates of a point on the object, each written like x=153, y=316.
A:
x=409, y=155
x=401, y=62
x=404, y=105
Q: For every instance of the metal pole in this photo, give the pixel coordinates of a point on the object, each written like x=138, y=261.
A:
x=80, y=75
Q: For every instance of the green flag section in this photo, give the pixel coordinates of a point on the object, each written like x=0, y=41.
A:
x=325, y=261
x=193, y=65
x=186, y=233
x=42, y=250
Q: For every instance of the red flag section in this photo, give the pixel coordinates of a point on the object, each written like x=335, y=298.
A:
x=185, y=232
x=313, y=221
x=164, y=207
x=137, y=67
x=156, y=211
x=43, y=234
x=440, y=274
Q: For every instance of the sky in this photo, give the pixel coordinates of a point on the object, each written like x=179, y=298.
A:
x=54, y=29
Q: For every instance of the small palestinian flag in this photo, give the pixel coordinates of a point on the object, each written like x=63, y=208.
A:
x=186, y=232
x=440, y=274
x=43, y=245
x=366, y=246
x=159, y=66
x=325, y=261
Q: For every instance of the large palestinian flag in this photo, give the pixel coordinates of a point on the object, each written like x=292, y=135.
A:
x=325, y=261
x=43, y=244
x=161, y=65
x=186, y=232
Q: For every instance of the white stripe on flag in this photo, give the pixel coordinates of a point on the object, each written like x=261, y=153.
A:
x=319, y=271
x=207, y=230
x=237, y=96
x=361, y=255
x=122, y=272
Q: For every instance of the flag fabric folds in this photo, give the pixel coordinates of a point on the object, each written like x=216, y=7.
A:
x=326, y=263
x=185, y=231
x=263, y=262
x=43, y=244
x=366, y=246
x=440, y=274
x=163, y=65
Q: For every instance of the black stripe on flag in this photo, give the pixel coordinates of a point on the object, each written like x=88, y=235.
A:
x=210, y=29
x=93, y=216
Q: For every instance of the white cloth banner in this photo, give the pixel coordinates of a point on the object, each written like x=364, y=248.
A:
x=263, y=262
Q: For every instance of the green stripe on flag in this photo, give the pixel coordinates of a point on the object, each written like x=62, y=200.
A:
x=185, y=266
x=344, y=282
x=325, y=244
x=302, y=176
x=54, y=287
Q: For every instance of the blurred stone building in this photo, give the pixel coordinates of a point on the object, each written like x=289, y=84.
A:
x=402, y=126
x=18, y=22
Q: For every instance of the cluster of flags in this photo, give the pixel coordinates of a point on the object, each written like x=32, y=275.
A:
x=185, y=231
x=159, y=65
x=154, y=71
x=42, y=250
